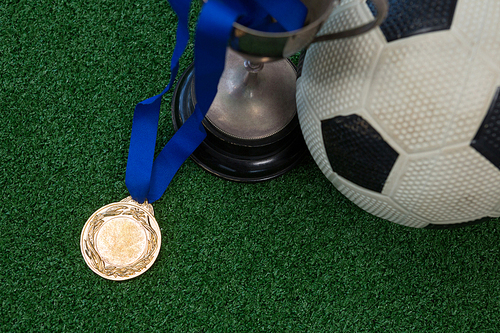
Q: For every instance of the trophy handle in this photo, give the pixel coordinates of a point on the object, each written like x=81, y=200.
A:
x=382, y=10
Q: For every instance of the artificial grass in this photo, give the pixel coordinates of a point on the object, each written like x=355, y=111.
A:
x=287, y=255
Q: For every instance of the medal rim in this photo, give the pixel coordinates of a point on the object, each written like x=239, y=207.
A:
x=148, y=209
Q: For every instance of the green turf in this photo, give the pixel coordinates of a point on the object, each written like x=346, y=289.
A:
x=287, y=255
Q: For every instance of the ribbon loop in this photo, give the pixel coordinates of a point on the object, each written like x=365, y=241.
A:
x=148, y=178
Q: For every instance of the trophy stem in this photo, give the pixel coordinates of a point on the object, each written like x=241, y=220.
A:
x=252, y=127
x=253, y=101
x=253, y=67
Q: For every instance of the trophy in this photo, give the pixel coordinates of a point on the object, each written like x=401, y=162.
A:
x=253, y=133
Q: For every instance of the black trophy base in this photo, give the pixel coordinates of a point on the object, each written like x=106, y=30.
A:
x=234, y=158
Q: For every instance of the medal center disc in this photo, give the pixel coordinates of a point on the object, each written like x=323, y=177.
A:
x=121, y=241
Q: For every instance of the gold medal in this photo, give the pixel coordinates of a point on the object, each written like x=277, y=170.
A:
x=121, y=240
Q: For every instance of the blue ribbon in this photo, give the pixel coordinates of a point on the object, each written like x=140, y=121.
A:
x=148, y=178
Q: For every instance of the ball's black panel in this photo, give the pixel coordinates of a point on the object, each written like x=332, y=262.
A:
x=357, y=152
x=487, y=139
x=411, y=17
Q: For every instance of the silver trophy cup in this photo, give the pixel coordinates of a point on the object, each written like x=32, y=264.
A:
x=253, y=133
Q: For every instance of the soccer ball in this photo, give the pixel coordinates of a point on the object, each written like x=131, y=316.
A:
x=405, y=119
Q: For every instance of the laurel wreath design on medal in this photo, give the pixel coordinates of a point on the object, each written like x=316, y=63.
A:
x=142, y=214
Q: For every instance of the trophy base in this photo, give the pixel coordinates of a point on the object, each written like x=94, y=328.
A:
x=250, y=137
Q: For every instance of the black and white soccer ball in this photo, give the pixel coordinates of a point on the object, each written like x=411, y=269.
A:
x=405, y=120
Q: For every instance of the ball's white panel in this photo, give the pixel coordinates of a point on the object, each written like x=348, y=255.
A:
x=416, y=89
x=378, y=205
x=414, y=176
x=453, y=186
x=469, y=19
x=490, y=38
x=336, y=73
x=496, y=211
x=311, y=130
x=475, y=100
